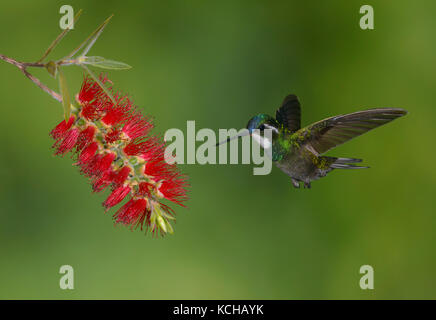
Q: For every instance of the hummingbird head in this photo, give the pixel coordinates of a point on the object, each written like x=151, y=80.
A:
x=260, y=122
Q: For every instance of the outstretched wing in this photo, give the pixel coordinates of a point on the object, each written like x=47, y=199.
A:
x=289, y=114
x=331, y=132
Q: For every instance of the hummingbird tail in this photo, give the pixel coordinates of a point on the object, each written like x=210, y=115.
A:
x=347, y=160
x=346, y=166
x=344, y=163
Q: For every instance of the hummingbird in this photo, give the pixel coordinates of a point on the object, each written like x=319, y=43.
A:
x=298, y=151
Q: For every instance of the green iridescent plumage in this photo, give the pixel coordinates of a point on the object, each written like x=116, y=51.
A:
x=298, y=151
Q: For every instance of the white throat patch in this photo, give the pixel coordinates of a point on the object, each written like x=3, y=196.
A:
x=264, y=142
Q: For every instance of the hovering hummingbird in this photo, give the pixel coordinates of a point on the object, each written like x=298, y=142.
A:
x=297, y=151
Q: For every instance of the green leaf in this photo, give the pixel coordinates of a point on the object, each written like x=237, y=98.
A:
x=65, y=95
x=162, y=224
x=103, y=63
x=52, y=68
x=101, y=84
x=59, y=38
x=90, y=40
x=170, y=228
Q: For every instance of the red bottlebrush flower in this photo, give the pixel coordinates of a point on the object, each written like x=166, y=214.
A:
x=145, y=189
x=61, y=129
x=103, y=181
x=132, y=211
x=114, y=115
x=137, y=126
x=172, y=191
x=103, y=164
x=114, y=150
x=90, y=91
x=120, y=177
x=88, y=152
x=85, y=137
x=68, y=141
x=112, y=136
x=116, y=196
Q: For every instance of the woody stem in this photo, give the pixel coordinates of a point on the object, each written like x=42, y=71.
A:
x=23, y=67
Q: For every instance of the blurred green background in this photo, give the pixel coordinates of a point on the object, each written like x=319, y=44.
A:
x=242, y=236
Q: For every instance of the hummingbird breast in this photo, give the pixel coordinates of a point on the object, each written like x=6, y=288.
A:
x=299, y=164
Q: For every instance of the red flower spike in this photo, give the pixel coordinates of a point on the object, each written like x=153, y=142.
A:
x=61, y=129
x=112, y=136
x=134, y=149
x=120, y=177
x=85, y=137
x=114, y=150
x=131, y=211
x=145, y=189
x=116, y=197
x=68, y=142
x=173, y=191
x=115, y=115
x=90, y=90
x=102, y=182
x=103, y=164
x=90, y=112
x=137, y=126
x=88, y=153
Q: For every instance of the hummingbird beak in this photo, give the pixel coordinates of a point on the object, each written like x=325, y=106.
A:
x=245, y=133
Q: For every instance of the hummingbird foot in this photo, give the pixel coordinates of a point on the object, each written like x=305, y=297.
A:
x=295, y=183
x=307, y=185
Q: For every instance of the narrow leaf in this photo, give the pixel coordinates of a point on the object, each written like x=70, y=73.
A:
x=65, y=95
x=170, y=228
x=101, y=84
x=59, y=37
x=91, y=40
x=162, y=224
x=103, y=63
x=91, y=60
x=95, y=37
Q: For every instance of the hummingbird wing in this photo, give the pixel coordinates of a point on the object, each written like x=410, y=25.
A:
x=331, y=132
x=289, y=113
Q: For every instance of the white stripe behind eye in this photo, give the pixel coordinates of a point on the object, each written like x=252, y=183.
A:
x=271, y=127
